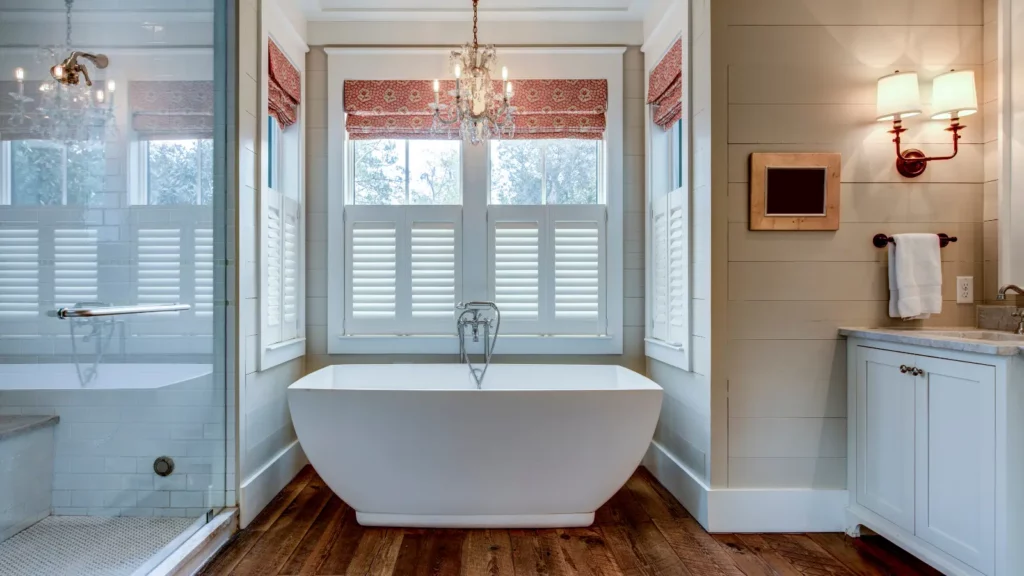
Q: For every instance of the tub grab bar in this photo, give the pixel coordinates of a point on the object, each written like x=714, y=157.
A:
x=118, y=310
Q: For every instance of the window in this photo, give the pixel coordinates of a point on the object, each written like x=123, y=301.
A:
x=49, y=173
x=545, y=172
x=177, y=172
x=406, y=172
x=420, y=221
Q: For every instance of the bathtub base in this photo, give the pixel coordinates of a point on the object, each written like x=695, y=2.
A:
x=474, y=521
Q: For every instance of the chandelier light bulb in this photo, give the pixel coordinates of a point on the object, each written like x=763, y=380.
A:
x=19, y=74
x=437, y=86
x=504, y=72
x=57, y=72
x=458, y=71
x=100, y=96
x=508, y=89
x=111, y=86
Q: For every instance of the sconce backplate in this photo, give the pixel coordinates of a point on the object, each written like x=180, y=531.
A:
x=907, y=166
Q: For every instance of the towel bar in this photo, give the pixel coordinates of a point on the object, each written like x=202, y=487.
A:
x=880, y=240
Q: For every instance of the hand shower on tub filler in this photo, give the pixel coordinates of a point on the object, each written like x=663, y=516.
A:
x=471, y=317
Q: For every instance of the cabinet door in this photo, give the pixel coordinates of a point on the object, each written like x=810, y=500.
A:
x=956, y=460
x=885, y=436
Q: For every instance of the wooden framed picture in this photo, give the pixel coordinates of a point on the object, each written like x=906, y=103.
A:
x=794, y=191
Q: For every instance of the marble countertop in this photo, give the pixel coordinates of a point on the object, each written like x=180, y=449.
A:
x=14, y=425
x=960, y=339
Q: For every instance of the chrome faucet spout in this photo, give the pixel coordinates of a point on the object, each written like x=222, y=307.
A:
x=471, y=316
x=1001, y=294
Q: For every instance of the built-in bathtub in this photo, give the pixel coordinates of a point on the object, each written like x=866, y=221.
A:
x=421, y=446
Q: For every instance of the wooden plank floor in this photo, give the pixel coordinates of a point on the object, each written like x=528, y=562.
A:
x=641, y=531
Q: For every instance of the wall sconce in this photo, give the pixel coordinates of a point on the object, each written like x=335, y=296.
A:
x=953, y=94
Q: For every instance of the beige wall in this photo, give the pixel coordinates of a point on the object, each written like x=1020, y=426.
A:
x=316, y=228
x=684, y=429
x=799, y=76
x=989, y=94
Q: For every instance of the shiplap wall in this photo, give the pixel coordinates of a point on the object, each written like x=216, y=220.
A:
x=801, y=78
x=989, y=94
x=264, y=423
x=684, y=429
x=316, y=228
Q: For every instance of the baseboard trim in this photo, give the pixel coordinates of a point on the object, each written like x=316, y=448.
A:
x=259, y=489
x=748, y=510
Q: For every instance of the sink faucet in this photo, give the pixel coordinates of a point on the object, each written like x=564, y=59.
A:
x=1001, y=294
x=471, y=317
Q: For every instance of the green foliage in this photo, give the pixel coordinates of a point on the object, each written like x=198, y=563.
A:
x=176, y=167
x=522, y=169
x=434, y=172
x=38, y=172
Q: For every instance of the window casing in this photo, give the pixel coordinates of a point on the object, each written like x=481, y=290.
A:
x=478, y=217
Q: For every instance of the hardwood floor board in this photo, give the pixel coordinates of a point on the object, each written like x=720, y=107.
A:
x=273, y=510
x=805, y=555
x=487, y=553
x=641, y=531
x=842, y=548
x=344, y=546
x=585, y=552
x=697, y=550
x=537, y=553
x=269, y=555
x=387, y=556
x=745, y=558
x=315, y=545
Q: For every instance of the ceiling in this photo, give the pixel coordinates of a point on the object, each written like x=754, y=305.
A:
x=490, y=10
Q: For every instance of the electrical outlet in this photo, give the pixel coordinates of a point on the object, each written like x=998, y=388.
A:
x=965, y=289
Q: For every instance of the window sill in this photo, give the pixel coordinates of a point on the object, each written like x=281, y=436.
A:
x=671, y=354
x=281, y=352
x=507, y=344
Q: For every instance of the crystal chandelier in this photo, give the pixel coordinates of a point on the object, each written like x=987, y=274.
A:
x=480, y=106
x=65, y=108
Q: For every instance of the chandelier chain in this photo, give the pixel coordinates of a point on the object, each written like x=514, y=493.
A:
x=475, y=43
x=67, y=7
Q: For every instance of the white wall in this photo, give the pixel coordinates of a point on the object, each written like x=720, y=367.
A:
x=268, y=452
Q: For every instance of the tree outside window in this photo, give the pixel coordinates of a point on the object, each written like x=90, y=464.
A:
x=50, y=173
x=531, y=172
x=179, y=172
x=399, y=172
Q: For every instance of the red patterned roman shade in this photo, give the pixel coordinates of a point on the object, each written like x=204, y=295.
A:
x=544, y=109
x=665, y=87
x=284, y=88
x=169, y=110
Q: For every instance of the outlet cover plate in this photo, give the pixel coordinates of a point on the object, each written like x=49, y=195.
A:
x=965, y=289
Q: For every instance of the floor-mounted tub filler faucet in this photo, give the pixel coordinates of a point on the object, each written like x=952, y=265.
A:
x=471, y=318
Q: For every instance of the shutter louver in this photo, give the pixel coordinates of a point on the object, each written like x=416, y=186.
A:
x=677, y=263
x=76, y=266
x=274, y=265
x=659, y=268
x=577, y=271
x=203, y=272
x=373, y=270
x=517, y=269
x=159, y=267
x=290, y=269
x=433, y=269
x=19, y=272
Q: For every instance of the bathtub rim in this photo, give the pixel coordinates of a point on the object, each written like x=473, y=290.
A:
x=323, y=379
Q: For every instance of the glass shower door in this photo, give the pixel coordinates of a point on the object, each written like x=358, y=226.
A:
x=112, y=330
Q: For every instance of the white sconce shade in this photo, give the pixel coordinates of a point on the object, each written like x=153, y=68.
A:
x=954, y=95
x=899, y=96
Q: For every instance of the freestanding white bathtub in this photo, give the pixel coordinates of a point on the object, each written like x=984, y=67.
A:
x=420, y=446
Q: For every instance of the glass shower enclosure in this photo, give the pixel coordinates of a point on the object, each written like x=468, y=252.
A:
x=114, y=444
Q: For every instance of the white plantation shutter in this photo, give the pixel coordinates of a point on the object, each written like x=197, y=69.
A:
x=272, y=246
x=547, y=268
x=678, y=268
x=75, y=266
x=203, y=272
x=19, y=272
x=159, y=267
x=659, y=269
x=290, y=270
x=403, y=269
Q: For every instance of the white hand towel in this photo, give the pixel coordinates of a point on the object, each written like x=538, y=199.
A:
x=915, y=276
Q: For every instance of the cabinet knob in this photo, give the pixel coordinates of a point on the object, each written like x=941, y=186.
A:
x=917, y=372
x=904, y=368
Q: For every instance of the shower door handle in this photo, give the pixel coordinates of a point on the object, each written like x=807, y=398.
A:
x=118, y=310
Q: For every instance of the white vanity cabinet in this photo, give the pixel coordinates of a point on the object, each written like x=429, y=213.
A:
x=936, y=451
